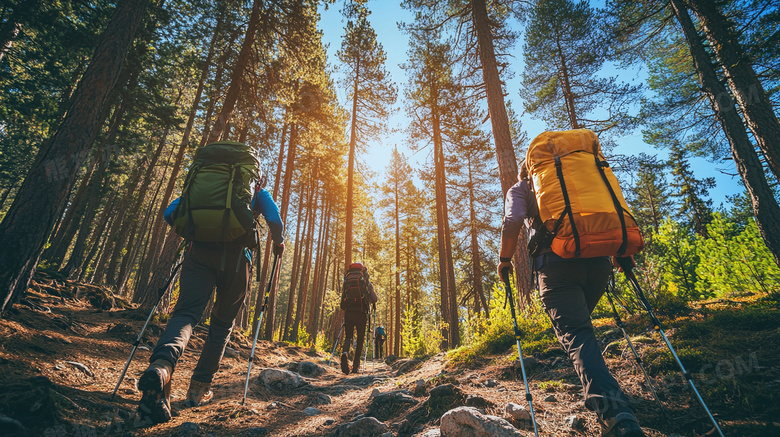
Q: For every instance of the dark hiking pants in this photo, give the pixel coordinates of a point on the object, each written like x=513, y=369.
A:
x=570, y=290
x=354, y=320
x=203, y=270
x=379, y=345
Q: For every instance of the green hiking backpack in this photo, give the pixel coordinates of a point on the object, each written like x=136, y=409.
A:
x=215, y=203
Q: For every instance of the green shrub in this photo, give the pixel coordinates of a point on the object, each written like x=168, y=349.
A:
x=495, y=334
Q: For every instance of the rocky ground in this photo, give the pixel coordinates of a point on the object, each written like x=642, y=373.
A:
x=61, y=358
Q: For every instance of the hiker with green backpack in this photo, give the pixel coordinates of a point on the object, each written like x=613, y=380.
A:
x=577, y=219
x=217, y=214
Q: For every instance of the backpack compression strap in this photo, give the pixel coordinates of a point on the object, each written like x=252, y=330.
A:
x=618, y=207
x=559, y=171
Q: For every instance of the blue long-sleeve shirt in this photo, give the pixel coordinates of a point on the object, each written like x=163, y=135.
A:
x=262, y=204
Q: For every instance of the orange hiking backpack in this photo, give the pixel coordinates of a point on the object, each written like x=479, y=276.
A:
x=572, y=180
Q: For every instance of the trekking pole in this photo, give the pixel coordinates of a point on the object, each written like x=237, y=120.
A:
x=336, y=344
x=259, y=322
x=510, y=298
x=140, y=334
x=365, y=355
x=622, y=325
x=627, y=264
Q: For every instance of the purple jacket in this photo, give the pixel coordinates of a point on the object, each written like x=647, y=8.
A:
x=519, y=206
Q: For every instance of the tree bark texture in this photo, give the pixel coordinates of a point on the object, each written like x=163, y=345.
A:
x=42, y=197
x=748, y=91
x=765, y=207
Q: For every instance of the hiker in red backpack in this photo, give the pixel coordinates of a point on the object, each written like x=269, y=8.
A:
x=357, y=299
x=570, y=286
x=218, y=257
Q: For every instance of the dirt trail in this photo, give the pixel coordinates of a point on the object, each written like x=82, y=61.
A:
x=81, y=351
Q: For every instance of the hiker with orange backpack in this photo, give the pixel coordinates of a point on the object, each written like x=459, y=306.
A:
x=357, y=299
x=577, y=217
x=217, y=211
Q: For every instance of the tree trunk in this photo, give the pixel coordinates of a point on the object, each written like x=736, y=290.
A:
x=765, y=207
x=397, y=214
x=476, y=258
x=94, y=192
x=159, y=223
x=237, y=78
x=43, y=194
x=303, y=293
x=271, y=309
x=302, y=219
x=8, y=35
x=351, y=173
x=322, y=277
x=162, y=271
x=505, y=154
x=568, y=94
x=751, y=97
x=79, y=264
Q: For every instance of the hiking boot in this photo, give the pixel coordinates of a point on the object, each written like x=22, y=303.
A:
x=155, y=384
x=199, y=393
x=356, y=366
x=345, y=363
x=622, y=425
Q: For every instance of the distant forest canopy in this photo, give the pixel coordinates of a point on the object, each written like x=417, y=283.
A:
x=103, y=104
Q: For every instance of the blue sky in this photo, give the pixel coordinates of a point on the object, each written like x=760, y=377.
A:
x=384, y=18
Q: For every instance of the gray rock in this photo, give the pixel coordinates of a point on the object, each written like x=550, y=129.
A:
x=435, y=432
x=363, y=427
x=469, y=422
x=391, y=359
x=572, y=422
x=476, y=401
x=10, y=425
x=361, y=381
x=443, y=390
x=82, y=367
x=407, y=367
x=387, y=434
x=187, y=429
x=311, y=411
x=550, y=398
x=257, y=430
x=281, y=380
x=374, y=392
x=231, y=353
x=329, y=422
x=272, y=406
x=501, y=389
x=323, y=399
x=517, y=412
x=144, y=348
x=309, y=369
x=490, y=383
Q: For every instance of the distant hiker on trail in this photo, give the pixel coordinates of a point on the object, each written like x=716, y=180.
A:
x=357, y=299
x=379, y=341
x=217, y=212
x=570, y=286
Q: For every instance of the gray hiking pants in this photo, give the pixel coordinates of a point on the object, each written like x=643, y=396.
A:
x=570, y=290
x=201, y=271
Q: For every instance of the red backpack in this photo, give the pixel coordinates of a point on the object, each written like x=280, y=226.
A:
x=354, y=293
